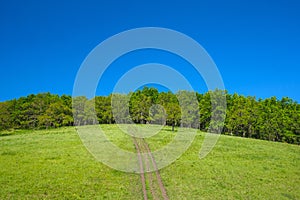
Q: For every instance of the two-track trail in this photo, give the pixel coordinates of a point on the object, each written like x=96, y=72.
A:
x=152, y=184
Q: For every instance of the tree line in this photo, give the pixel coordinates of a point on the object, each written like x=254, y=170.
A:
x=268, y=119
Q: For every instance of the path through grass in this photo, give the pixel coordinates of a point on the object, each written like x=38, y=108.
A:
x=53, y=164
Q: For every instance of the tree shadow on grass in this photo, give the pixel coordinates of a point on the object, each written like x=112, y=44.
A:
x=5, y=134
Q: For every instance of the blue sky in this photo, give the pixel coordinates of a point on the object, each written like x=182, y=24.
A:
x=255, y=44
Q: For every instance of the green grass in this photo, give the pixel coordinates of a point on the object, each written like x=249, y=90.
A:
x=54, y=164
x=237, y=168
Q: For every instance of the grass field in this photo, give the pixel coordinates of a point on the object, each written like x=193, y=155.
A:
x=54, y=164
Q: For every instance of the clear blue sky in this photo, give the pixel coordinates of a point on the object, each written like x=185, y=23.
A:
x=255, y=44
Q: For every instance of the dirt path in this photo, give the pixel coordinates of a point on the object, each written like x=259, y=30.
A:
x=156, y=185
x=142, y=172
x=160, y=183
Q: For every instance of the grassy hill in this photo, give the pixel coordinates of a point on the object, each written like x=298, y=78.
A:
x=54, y=164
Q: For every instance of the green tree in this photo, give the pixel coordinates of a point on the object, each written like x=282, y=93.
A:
x=120, y=108
x=78, y=110
x=104, y=109
x=140, y=103
x=171, y=106
x=189, y=108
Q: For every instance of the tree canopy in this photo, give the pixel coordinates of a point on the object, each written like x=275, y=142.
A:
x=268, y=119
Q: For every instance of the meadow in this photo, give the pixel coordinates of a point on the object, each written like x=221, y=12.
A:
x=54, y=164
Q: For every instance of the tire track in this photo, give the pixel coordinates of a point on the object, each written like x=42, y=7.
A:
x=160, y=183
x=144, y=153
x=149, y=175
x=142, y=173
